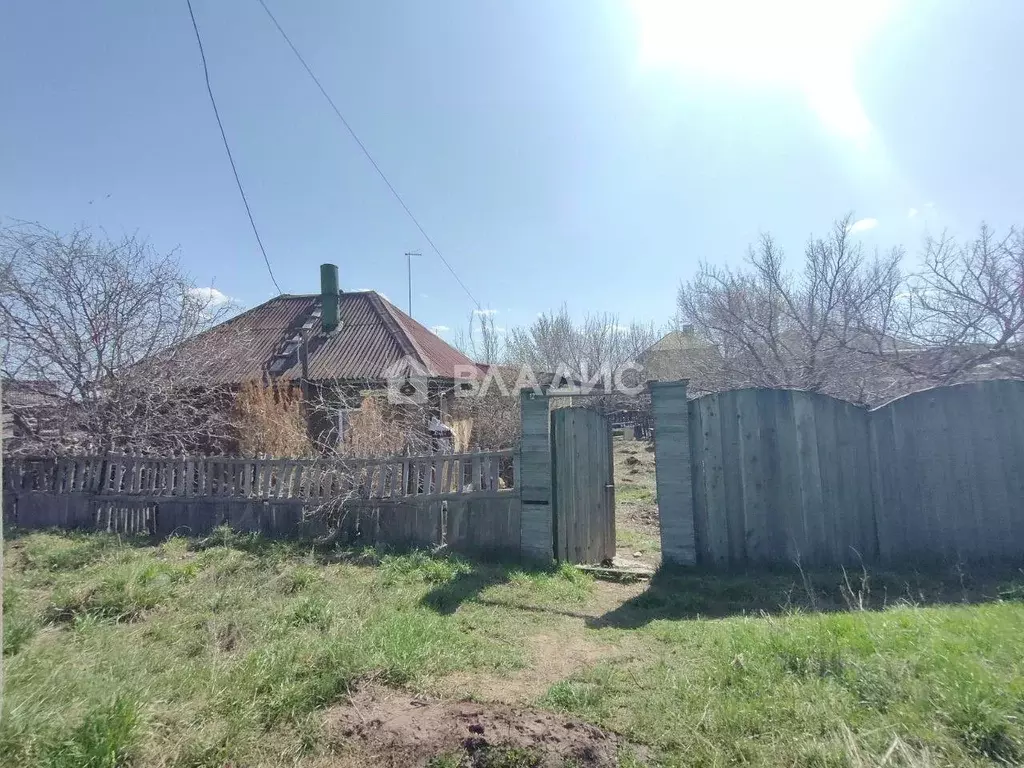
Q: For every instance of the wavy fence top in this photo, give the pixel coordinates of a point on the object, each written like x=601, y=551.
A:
x=786, y=475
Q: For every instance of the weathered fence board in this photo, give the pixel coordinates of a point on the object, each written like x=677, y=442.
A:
x=789, y=476
x=949, y=470
x=584, y=506
x=780, y=476
x=396, y=501
x=268, y=478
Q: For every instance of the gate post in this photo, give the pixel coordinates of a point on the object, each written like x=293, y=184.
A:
x=673, y=473
x=536, y=541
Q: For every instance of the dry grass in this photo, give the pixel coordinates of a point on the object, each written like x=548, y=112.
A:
x=270, y=421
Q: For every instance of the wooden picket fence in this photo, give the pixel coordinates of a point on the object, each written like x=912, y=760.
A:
x=439, y=476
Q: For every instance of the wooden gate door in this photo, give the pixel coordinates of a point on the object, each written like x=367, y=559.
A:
x=582, y=490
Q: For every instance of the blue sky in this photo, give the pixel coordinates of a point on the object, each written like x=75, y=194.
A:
x=590, y=152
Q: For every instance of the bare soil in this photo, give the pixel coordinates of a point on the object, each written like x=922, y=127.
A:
x=395, y=729
x=553, y=657
x=636, y=504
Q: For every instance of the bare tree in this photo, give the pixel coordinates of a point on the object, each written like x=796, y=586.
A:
x=961, y=313
x=101, y=321
x=555, y=342
x=857, y=327
x=481, y=341
x=812, y=329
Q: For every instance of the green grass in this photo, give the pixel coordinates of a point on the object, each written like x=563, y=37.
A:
x=227, y=651
x=634, y=494
x=224, y=651
x=637, y=540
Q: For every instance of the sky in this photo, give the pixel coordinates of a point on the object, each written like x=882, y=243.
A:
x=585, y=152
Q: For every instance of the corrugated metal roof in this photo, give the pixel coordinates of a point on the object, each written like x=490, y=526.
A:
x=374, y=336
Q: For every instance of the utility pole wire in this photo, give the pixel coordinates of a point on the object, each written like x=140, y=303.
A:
x=227, y=148
x=366, y=152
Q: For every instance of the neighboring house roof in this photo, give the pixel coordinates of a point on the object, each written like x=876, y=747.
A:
x=679, y=355
x=374, y=337
x=673, y=341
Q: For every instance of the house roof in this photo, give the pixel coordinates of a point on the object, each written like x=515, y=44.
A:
x=674, y=341
x=373, y=338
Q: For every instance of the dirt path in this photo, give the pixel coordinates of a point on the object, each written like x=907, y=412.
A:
x=558, y=649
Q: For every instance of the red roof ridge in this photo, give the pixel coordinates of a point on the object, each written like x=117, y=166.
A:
x=407, y=341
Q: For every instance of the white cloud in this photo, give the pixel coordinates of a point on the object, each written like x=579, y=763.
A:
x=862, y=225
x=487, y=312
x=499, y=329
x=210, y=295
x=424, y=296
x=618, y=328
x=912, y=213
x=439, y=329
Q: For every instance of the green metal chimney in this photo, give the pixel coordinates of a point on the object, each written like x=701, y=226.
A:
x=329, y=296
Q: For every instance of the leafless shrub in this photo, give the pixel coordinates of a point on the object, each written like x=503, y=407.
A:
x=101, y=320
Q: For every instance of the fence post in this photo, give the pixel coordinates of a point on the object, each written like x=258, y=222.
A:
x=535, y=538
x=672, y=467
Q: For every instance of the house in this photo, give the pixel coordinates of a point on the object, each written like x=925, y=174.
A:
x=679, y=354
x=338, y=345
x=33, y=414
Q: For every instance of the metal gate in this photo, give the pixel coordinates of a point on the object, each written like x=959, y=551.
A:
x=583, y=490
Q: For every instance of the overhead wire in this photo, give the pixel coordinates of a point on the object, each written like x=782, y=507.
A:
x=369, y=157
x=227, y=147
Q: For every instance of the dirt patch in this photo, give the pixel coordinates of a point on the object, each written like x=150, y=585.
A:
x=393, y=729
x=552, y=658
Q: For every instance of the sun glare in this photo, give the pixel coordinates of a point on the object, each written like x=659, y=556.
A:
x=810, y=45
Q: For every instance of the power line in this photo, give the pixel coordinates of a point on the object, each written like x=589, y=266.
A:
x=227, y=148
x=366, y=152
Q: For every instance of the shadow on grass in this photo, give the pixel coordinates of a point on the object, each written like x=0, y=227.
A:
x=447, y=597
x=542, y=584
x=690, y=593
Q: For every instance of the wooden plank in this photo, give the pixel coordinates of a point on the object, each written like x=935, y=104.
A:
x=1011, y=434
x=698, y=450
x=970, y=411
x=789, y=512
x=495, y=466
x=828, y=472
x=748, y=445
x=722, y=522
x=772, y=489
x=731, y=499
x=809, y=470
x=474, y=473
x=582, y=468
x=609, y=531
x=119, y=473
x=444, y=476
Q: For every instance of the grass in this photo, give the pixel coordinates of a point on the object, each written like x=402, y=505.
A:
x=224, y=651
x=227, y=652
